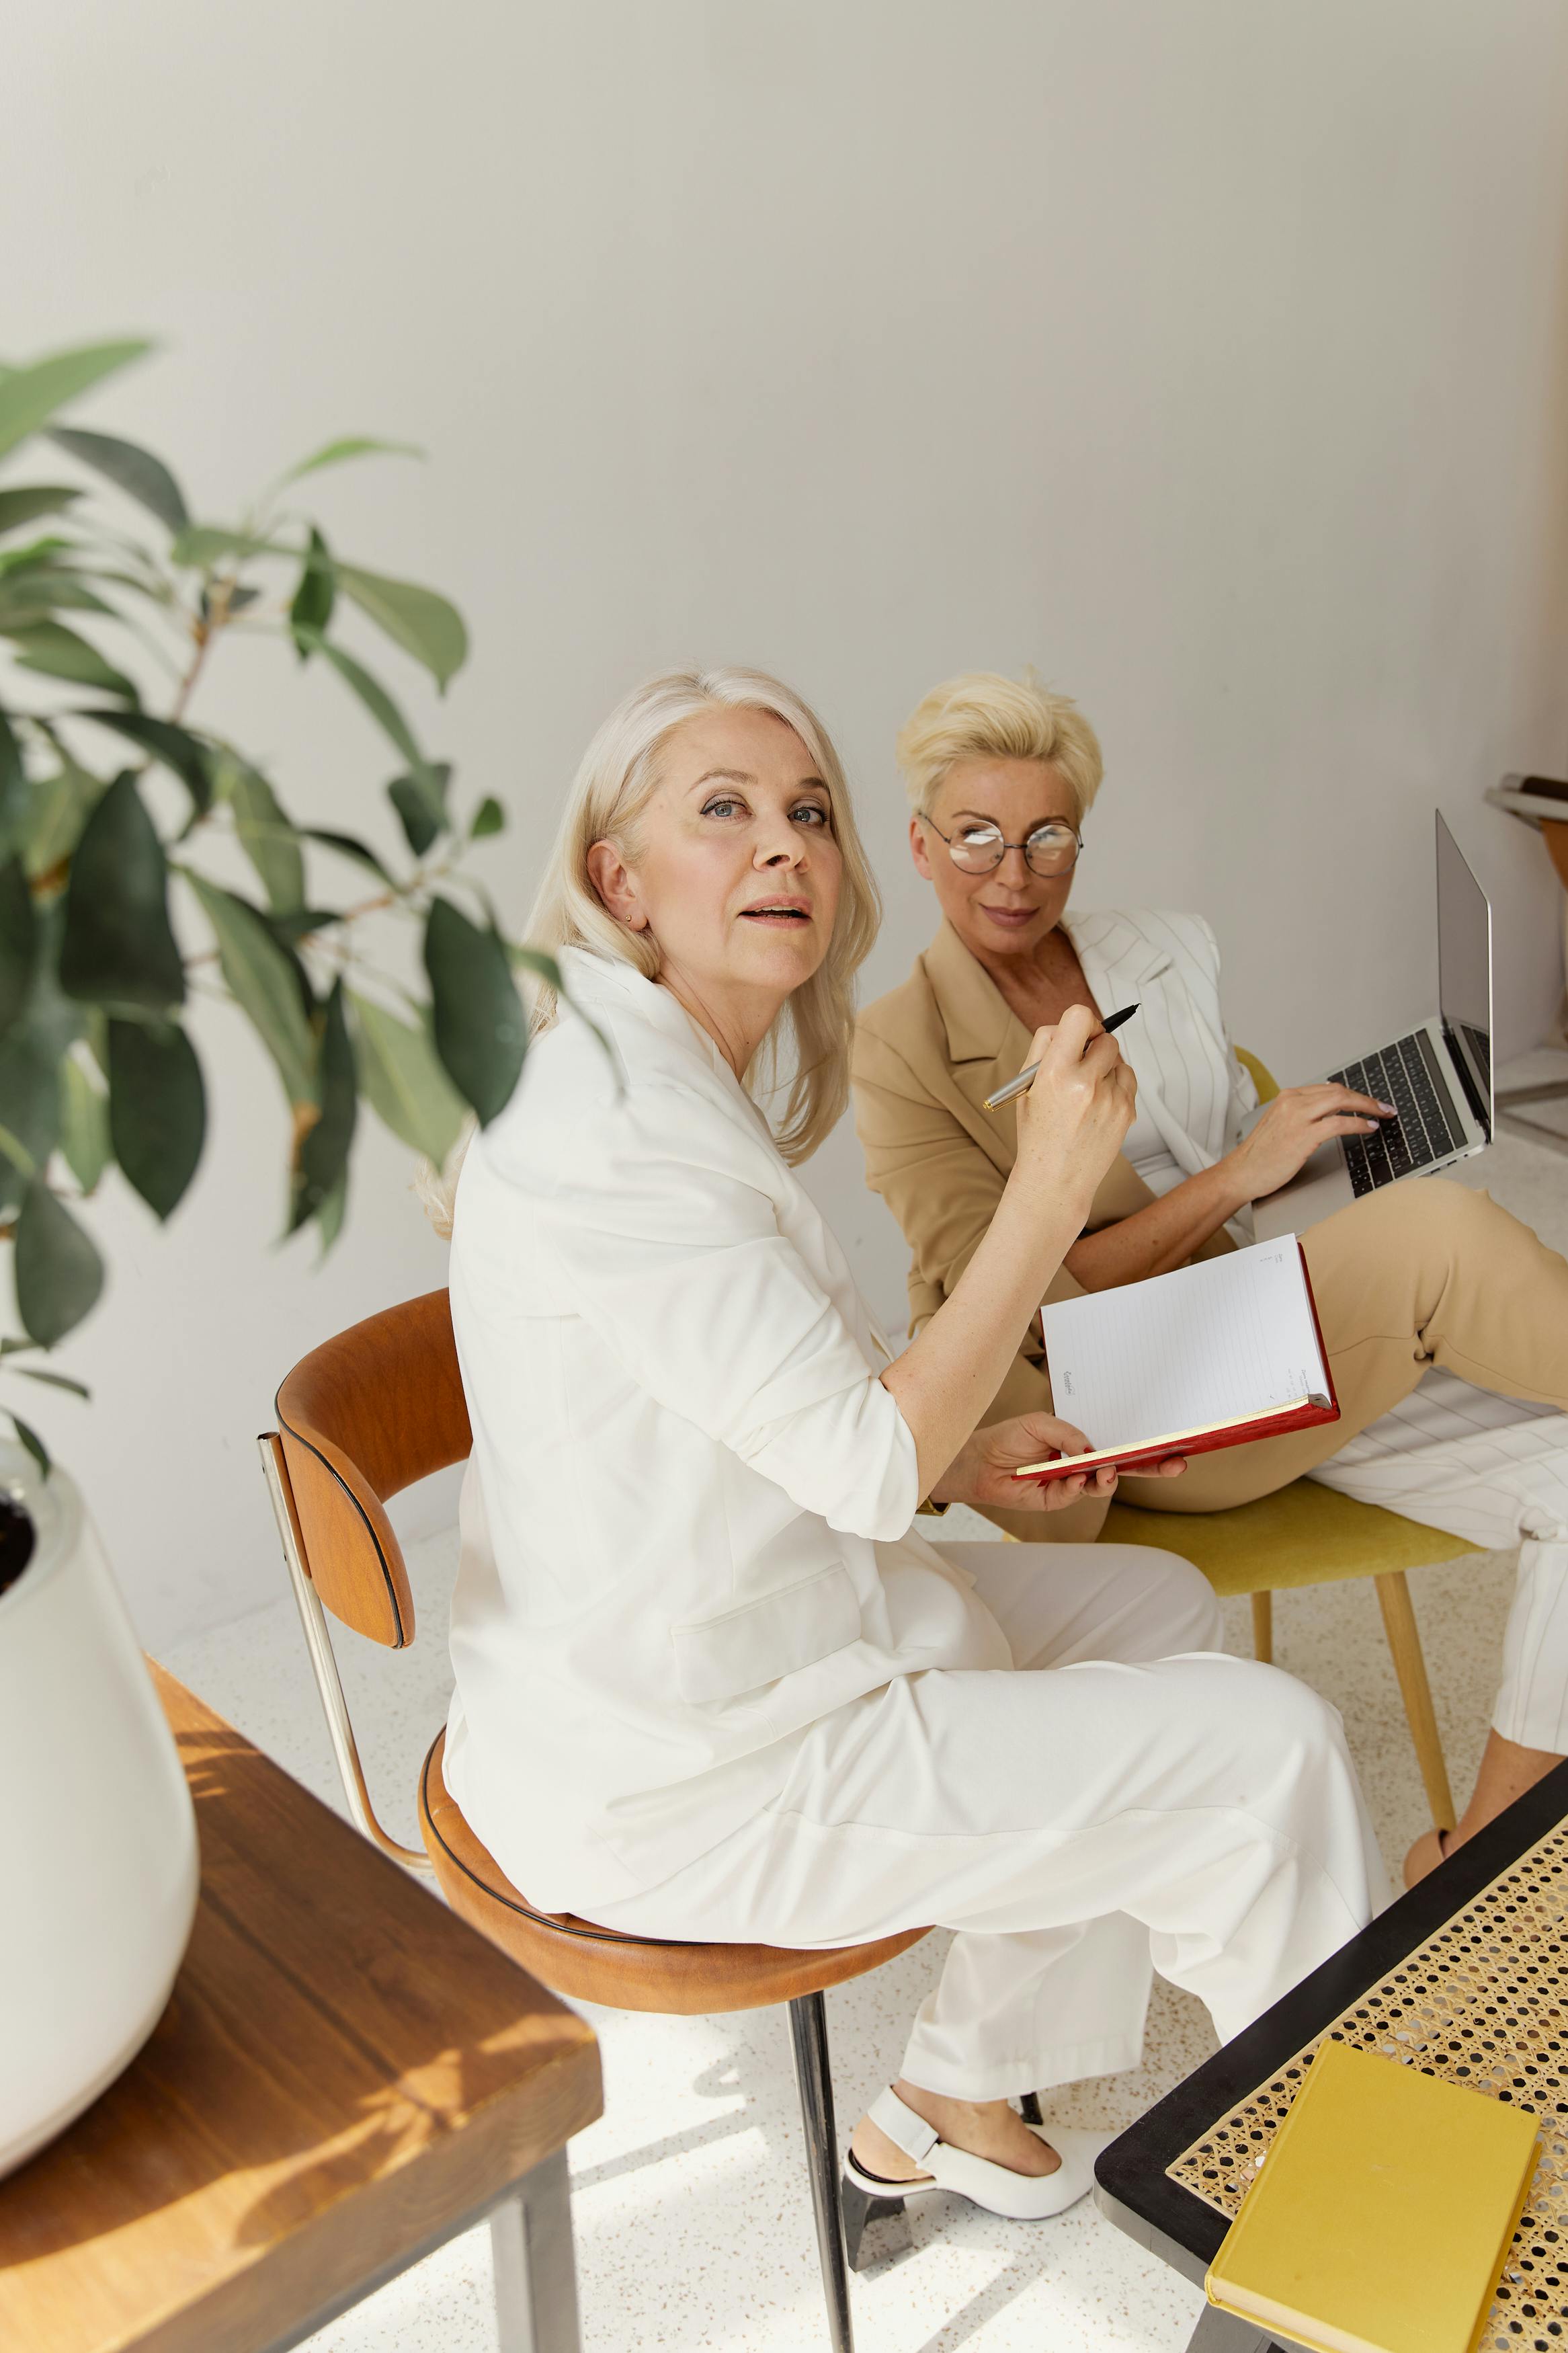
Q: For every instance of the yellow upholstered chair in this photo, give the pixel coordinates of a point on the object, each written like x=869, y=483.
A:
x=1309, y=1534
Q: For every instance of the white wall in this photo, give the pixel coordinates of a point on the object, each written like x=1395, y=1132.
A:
x=1212, y=357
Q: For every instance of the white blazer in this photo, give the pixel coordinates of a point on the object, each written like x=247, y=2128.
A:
x=685, y=1525
x=1190, y=1085
x=1191, y=1088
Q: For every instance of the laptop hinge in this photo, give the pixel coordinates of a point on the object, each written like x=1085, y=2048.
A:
x=1478, y=1098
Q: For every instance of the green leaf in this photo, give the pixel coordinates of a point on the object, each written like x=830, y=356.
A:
x=15, y=798
x=266, y=836
x=30, y=396
x=58, y=1273
x=376, y=699
x=61, y=804
x=337, y=453
x=330, y=1216
x=314, y=598
x=84, y=1124
x=424, y=623
x=477, y=1017
x=299, y=923
x=404, y=1082
x=262, y=981
x=55, y=1380
x=29, y=500
x=134, y=471
x=31, y=1441
x=185, y=755
x=545, y=968
x=489, y=818
x=118, y=948
x=349, y=845
x=30, y=1098
x=201, y=545
x=44, y=550
x=420, y=800
x=157, y=1109
x=18, y=943
x=324, y=1156
x=55, y=651
x=27, y=597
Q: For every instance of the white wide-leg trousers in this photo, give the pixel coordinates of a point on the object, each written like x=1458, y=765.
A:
x=1493, y=1470
x=1127, y=1798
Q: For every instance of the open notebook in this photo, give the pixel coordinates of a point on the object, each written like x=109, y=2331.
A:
x=1211, y=1356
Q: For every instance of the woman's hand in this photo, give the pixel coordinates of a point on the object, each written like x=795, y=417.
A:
x=1072, y=1120
x=1291, y=1128
x=982, y=1472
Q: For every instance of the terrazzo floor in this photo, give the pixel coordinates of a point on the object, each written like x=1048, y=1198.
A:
x=692, y=2216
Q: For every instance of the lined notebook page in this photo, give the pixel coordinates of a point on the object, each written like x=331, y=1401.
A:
x=1217, y=1342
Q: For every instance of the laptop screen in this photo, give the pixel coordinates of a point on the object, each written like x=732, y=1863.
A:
x=1465, y=961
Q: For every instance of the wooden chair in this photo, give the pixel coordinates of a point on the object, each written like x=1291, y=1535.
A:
x=1309, y=1534
x=360, y=1418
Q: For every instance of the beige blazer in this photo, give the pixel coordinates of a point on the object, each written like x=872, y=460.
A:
x=928, y=1054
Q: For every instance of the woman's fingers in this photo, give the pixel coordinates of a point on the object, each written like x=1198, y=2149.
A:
x=1329, y=1097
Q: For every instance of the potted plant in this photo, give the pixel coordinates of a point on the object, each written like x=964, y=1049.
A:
x=125, y=816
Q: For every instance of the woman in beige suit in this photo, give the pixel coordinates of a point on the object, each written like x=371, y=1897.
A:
x=1445, y=1319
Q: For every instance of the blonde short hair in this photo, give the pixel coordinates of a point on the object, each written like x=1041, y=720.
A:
x=984, y=716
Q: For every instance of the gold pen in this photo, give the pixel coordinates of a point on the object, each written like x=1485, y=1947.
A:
x=1025, y=1078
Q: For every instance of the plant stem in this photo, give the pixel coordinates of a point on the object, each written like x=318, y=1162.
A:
x=204, y=632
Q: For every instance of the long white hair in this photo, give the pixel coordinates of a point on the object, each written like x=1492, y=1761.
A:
x=805, y=1055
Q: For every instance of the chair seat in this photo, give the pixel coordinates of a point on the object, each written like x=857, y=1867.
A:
x=1302, y=1534
x=590, y=1964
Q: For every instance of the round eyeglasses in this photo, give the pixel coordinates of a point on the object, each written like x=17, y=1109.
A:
x=978, y=847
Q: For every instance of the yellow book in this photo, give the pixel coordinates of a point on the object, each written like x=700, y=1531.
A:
x=1381, y=2218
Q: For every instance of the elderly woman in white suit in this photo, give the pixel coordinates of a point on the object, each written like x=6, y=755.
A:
x=1445, y=1319
x=710, y=1683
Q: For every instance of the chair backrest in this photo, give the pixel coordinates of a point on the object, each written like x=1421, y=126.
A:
x=367, y=1413
x=1263, y=1078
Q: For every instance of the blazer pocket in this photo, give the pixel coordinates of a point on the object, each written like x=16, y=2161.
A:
x=720, y=1658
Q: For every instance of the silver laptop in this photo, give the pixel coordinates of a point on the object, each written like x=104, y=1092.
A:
x=1439, y=1077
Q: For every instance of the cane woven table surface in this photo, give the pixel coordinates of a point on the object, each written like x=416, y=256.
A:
x=1483, y=2002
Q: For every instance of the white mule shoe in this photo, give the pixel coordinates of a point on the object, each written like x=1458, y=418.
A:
x=1019, y=2197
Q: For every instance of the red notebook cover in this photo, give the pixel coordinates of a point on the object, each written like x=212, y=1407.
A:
x=1304, y=1414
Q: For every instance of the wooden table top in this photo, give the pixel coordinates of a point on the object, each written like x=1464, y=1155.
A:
x=344, y=2073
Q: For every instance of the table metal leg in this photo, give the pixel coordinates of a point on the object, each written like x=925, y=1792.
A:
x=1221, y=2332
x=536, y=2273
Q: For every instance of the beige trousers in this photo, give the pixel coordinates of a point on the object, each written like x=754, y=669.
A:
x=1417, y=1274
x=1437, y=1309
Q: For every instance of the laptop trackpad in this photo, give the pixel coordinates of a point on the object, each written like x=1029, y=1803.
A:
x=1317, y=1190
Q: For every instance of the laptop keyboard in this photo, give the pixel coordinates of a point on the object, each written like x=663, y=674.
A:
x=1422, y=1134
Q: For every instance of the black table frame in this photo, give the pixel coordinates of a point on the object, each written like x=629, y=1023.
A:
x=1135, y=2190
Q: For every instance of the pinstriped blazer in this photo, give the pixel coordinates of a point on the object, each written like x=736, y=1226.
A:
x=928, y=1054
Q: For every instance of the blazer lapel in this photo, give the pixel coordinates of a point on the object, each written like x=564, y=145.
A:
x=986, y=1046
x=986, y=1042
x=1124, y=966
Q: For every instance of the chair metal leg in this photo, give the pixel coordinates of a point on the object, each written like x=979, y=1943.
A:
x=536, y=2274
x=1263, y=1628
x=1410, y=1666
x=808, y=2035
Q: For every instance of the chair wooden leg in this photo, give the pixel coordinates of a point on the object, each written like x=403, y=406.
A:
x=1410, y=1666
x=1263, y=1628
